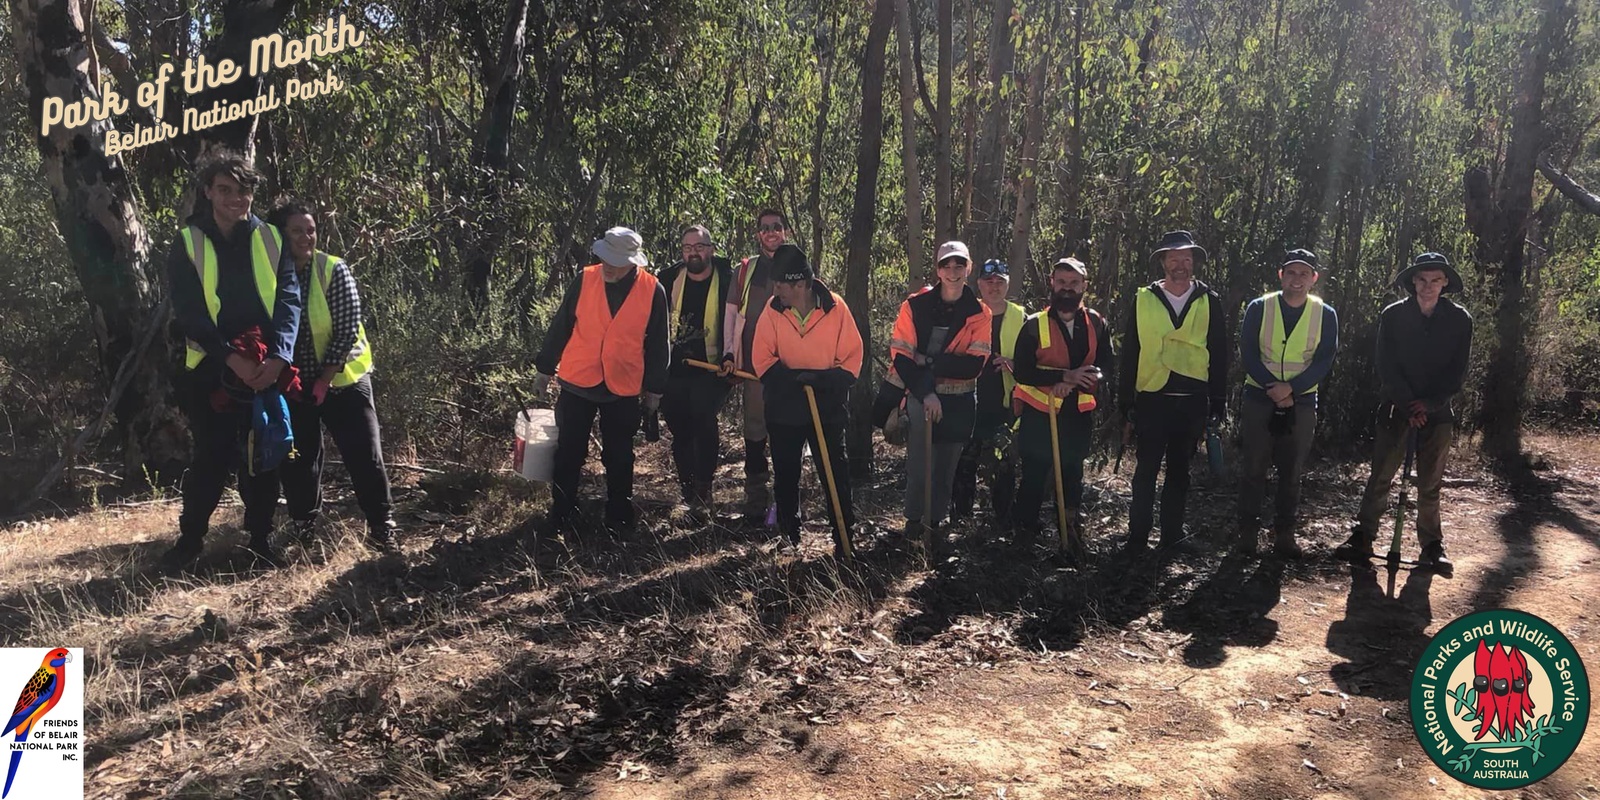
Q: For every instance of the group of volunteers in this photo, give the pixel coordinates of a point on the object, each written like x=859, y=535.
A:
x=979, y=386
x=267, y=315
x=985, y=388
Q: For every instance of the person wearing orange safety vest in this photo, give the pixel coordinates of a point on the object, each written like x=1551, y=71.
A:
x=697, y=291
x=1064, y=359
x=335, y=358
x=1287, y=342
x=607, y=347
x=1174, y=380
x=989, y=450
x=940, y=343
x=748, y=300
x=231, y=275
x=806, y=338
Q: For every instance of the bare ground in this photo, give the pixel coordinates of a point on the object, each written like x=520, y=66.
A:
x=707, y=664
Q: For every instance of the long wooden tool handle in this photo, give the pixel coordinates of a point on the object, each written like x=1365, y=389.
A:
x=710, y=367
x=1061, y=490
x=827, y=472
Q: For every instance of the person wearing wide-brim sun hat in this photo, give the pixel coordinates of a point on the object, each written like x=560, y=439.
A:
x=1424, y=343
x=1173, y=379
x=607, y=347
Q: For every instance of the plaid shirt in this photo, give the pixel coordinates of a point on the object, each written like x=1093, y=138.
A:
x=344, y=306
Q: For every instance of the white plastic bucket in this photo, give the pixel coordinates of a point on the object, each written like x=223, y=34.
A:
x=534, y=456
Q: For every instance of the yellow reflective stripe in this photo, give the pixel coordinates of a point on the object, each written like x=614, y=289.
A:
x=1010, y=327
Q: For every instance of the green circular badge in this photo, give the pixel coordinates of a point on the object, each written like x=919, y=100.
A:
x=1500, y=699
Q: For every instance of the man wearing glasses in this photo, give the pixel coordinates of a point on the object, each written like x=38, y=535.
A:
x=697, y=291
x=750, y=295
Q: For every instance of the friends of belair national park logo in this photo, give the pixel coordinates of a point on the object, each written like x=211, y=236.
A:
x=1500, y=699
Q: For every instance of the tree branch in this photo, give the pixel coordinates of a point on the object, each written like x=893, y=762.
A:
x=1586, y=200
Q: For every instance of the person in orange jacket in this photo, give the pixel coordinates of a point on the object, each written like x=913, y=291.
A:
x=940, y=342
x=806, y=337
x=607, y=346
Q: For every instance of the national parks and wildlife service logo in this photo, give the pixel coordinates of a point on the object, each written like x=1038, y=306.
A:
x=1500, y=699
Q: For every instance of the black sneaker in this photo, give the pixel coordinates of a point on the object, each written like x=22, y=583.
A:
x=1136, y=545
x=183, y=552
x=1356, y=549
x=265, y=552
x=381, y=538
x=620, y=519
x=1433, y=558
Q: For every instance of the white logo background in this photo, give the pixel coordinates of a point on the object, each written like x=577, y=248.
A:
x=57, y=773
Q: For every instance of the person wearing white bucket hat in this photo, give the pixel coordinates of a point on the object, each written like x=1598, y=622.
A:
x=607, y=347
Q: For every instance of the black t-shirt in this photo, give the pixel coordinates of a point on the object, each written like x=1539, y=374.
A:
x=689, y=340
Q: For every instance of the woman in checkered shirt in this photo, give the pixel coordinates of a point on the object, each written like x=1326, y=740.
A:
x=335, y=362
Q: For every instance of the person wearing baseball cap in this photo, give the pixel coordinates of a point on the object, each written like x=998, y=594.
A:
x=989, y=449
x=607, y=348
x=806, y=337
x=940, y=342
x=1287, y=341
x=1064, y=357
x=1174, y=378
x=1424, y=344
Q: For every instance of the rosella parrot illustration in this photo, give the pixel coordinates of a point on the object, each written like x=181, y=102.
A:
x=39, y=695
x=1501, y=679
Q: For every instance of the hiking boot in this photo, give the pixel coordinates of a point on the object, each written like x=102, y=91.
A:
x=1285, y=547
x=303, y=531
x=757, y=495
x=1433, y=558
x=790, y=529
x=183, y=552
x=1356, y=549
x=381, y=538
x=621, y=517
x=1136, y=545
x=265, y=552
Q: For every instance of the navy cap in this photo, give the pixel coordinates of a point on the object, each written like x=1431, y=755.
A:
x=1301, y=256
x=994, y=266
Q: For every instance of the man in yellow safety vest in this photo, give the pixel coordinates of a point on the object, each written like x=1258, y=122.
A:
x=1287, y=341
x=1174, y=377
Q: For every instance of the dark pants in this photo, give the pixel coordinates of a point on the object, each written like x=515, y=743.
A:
x=219, y=450
x=988, y=451
x=1168, y=427
x=787, y=443
x=690, y=407
x=351, y=419
x=1388, y=454
x=950, y=434
x=1038, y=464
x=1263, y=450
x=619, y=421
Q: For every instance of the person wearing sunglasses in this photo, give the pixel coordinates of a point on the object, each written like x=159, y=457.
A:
x=752, y=289
x=988, y=450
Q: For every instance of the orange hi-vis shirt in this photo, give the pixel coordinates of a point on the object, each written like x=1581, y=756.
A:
x=607, y=349
x=826, y=338
x=972, y=338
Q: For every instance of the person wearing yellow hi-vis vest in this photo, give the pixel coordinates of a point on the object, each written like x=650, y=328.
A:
x=336, y=358
x=1287, y=341
x=988, y=451
x=1064, y=358
x=750, y=296
x=1173, y=379
x=697, y=293
x=232, y=278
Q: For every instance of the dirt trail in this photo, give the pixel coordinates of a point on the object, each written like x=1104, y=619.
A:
x=704, y=665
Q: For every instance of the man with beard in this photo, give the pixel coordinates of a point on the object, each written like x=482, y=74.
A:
x=989, y=447
x=1059, y=356
x=752, y=289
x=697, y=291
x=1174, y=376
x=1424, y=343
x=1287, y=342
x=940, y=342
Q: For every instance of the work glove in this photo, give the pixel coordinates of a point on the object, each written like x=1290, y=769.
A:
x=541, y=386
x=652, y=402
x=806, y=378
x=652, y=426
x=1219, y=410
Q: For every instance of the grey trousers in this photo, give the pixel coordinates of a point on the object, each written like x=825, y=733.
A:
x=1388, y=454
x=946, y=456
x=1263, y=451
